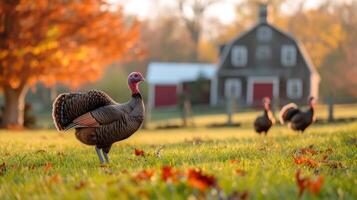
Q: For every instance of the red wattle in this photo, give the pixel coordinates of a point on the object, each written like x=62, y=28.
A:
x=134, y=87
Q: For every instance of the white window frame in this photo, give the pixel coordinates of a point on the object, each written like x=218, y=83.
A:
x=264, y=34
x=232, y=87
x=287, y=50
x=239, y=56
x=290, y=84
x=263, y=49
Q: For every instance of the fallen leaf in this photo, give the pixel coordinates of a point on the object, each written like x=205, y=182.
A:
x=80, y=185
x=197, y=179
x=238, y=195
x=240, y=172
x=301, y=182
x=170, y=174
x=234, y=161
x=307, y=161
x=143, y=175
x=308, y=150
x=48, y=166
x=2, y=169
x=139, y=152
x=54, y=179
x=315, y=185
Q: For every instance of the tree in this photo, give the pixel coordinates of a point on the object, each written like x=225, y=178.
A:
x=57, y=41
x=192, y=13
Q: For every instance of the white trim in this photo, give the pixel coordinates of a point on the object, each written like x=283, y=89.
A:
x=262, y=79
x=235, y=88
x=288, y=55
x=239, y=56
x=264, y=34
x=294, y=82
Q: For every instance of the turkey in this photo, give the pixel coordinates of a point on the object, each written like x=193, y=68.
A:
x=298, y=120
x=266, y=121
x=97, y=119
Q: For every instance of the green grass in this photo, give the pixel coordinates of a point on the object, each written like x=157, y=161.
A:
x=270, y=168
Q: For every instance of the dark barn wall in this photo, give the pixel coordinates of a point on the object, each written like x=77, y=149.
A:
x=272, y=67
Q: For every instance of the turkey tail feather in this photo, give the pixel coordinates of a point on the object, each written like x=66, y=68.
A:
x=68, y=106
x=287, y=112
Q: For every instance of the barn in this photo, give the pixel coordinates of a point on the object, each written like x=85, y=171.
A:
x=265, y=61
x=168, y=80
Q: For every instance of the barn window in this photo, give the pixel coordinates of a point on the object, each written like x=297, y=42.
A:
x=239, y=56
x=263, y=53
x=264, y=34
x=288, y=55
x=232, y=88
x=294, y=88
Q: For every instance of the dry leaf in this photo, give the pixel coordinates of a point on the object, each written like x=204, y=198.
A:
x=48, y=166
x=240, y=172
x=170, y=174
x=80, y=185
x=197, y=179
x=143, y=175
x=2, y=169
x=139, y=152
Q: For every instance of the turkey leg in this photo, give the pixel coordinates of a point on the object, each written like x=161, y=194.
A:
x=99, y=153
x=106, y=156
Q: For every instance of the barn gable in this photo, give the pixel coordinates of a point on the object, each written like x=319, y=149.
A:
x=265, y=58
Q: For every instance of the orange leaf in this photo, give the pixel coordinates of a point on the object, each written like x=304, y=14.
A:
x=315, y=186
x=240, y=172
x=2, y=169
x=80, y=185
x=234, y=161
x=139, y=152
x=168, y=173
x=48, y=166
x=197, y=179
x=143, y=175
x=301, y=182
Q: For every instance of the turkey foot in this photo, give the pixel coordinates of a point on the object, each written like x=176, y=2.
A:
x=99, y=155
x=106, y=156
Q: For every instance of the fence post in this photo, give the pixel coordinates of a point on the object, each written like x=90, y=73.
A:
x=230, y=109
x=330, y=109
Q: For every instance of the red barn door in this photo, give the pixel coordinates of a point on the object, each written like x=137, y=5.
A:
x=261, y=90
x=165, y=95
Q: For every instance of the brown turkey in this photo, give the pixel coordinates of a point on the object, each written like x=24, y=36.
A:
x=98, y=120
x=298, y=120
x=263, y=123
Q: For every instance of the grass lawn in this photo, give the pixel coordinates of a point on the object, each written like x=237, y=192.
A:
x=48, y=165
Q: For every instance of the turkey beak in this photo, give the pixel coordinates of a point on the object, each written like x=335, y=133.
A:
x=142, y=79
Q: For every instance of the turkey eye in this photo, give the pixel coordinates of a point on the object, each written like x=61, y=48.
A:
x=135, y=75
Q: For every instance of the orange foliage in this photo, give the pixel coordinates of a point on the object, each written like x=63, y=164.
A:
x=307, y=161
x=139, y=152
x=197, y=179
x=168, y=173
x=66, y=41
x=314, y=186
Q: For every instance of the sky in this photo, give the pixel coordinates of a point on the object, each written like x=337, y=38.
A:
x=224, y=11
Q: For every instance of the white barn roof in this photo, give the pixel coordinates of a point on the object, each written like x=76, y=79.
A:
x=173, y=73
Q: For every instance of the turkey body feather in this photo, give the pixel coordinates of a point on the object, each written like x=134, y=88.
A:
x=297, y=119
x=97, y=118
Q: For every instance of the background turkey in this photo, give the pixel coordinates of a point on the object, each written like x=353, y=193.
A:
x=298, y=120
x=266, y=121
x=98, y=119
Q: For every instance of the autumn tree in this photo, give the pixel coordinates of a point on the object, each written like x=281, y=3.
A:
x=57, y=41
x=192, y=13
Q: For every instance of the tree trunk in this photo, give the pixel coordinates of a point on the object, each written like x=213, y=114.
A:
x=13, y=116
